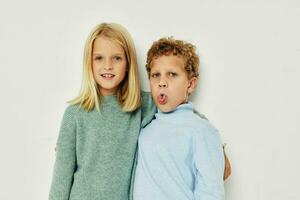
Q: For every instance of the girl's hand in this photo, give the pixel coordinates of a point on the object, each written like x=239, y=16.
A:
x=227, y=170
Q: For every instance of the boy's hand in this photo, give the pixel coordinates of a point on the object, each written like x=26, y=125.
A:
x=227, y=170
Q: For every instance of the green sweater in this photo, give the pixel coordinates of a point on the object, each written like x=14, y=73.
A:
x=96, y=151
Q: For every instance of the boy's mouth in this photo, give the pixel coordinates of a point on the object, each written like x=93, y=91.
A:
x=107, y=76
x=162, y=98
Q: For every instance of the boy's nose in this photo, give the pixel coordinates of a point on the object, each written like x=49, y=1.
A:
x=162, y=83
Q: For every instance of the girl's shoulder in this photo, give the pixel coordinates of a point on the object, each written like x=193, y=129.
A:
x=73, y=110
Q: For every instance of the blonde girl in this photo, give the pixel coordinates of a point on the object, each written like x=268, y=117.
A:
x=99, y=130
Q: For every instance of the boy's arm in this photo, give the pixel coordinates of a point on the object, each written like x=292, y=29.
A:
x=227, y=170
x=65, y=163
x=209, y=162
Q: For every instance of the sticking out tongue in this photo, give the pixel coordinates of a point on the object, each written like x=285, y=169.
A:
x=162, y=99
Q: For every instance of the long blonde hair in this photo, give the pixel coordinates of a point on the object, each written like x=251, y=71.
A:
x=128, y=93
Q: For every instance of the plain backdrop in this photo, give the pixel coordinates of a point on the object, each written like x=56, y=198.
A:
x=249, y=85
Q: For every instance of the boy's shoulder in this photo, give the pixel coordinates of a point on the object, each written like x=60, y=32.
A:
x=204, y=132
x=199, y=114
x=202, y=125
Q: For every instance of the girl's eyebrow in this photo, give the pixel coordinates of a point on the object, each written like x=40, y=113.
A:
x=116, y=54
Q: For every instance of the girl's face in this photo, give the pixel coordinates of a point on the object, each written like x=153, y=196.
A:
x=109, y=65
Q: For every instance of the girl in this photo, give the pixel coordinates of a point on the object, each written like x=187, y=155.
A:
x=99, y=131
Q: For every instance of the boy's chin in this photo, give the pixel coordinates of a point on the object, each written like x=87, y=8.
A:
x=165, y=108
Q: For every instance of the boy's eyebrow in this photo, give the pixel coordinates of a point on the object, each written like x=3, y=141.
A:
x=172, y=70
x=154, y=72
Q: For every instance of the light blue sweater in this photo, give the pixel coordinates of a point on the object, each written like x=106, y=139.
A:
x=180, y=157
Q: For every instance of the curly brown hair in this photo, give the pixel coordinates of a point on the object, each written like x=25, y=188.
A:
x=167, y=46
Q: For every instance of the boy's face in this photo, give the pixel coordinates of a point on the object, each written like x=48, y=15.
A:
x=169, y=83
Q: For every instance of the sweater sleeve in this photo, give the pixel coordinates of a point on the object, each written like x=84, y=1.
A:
x=65, y=163
x=148, y=108
x=209, y=162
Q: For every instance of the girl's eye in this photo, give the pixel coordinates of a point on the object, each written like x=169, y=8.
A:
x=118, y=58
x=98, y=58
x=172, y=74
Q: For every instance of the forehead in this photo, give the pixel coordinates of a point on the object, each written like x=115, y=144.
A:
x=167, y=62
x=105, y=44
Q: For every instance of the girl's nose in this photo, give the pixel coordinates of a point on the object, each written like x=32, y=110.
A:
x=108, y=65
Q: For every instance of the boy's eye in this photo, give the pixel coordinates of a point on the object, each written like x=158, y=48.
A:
x=172, y=74
x=154, y=75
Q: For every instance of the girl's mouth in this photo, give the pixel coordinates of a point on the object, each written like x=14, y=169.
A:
x=162, y=98
x=107, y=76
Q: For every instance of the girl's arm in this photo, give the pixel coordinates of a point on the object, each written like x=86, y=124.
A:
x=148, y=108
x=65, y=163
x=227, y=170
x=209, y=162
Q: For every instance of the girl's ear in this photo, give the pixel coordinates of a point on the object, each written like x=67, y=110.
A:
x=192, y=85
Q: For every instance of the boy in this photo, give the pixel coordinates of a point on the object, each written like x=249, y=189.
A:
x=180, y=155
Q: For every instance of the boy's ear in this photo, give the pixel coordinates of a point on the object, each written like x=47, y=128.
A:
x=192, y=84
